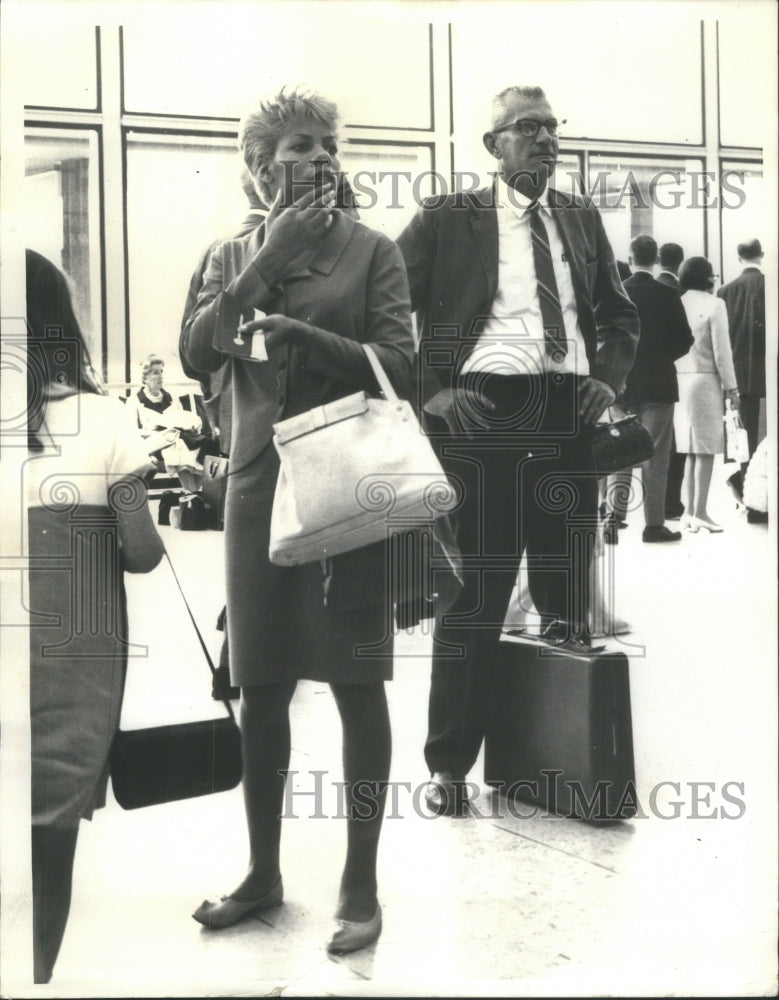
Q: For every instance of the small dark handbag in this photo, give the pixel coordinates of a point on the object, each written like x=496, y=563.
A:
x=169, y=763
x=168, y=499
x=214, y=488
x=193, y=513
x=621, y=444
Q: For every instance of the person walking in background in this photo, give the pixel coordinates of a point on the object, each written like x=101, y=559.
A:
x=83, y=447
x=526, y=337
x=652, y=389
x=744, y=299
x=670, y=257
x=704, y=374
x=311, y=285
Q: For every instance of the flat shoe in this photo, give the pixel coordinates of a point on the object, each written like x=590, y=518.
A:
x=229, y=911
x=351, y=935
x=699, y=522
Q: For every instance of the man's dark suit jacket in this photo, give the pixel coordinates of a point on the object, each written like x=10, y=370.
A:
x=666, y=278
x=665, y=336
x=451, y=254
x=745, y=301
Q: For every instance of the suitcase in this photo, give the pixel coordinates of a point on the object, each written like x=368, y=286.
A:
x=560, y=732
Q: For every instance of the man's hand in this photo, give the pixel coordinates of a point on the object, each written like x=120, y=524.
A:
x=733, y=396
x=297, y=231
x=594, y=397
x=278, y=330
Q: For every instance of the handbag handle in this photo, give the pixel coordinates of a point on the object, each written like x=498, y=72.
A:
x=381, y=376
x=203, y=646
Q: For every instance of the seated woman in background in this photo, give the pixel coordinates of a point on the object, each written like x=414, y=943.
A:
x=151, y=395
x=161, y=421
x=87, y=514
x=704, y=374
x=310, y=286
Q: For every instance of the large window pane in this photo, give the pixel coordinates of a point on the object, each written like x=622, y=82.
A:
x=389, y=182
x=661, y=197
x=62, y=217
x=375, y=66
x=53, y=59
x=590, y=83
x=743, y=217
x=747, y=74
x=182, y=194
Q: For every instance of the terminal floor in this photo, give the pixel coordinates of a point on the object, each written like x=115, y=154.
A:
x=671, y=903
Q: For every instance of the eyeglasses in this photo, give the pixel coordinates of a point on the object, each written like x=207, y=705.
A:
x=529, y=127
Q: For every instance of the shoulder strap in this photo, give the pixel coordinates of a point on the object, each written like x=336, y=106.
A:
x=381, y=376
x=203, y=646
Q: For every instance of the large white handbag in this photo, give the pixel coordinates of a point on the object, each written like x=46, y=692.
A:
x=352, y=471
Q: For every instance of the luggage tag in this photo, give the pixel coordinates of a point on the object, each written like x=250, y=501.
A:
x=256, y=350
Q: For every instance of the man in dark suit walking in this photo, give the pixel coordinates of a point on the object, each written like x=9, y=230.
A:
x=745, y=301
x=671, y=256
x=526, y=337
x=652, y=387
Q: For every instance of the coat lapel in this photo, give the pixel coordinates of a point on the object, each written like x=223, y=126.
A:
x=333, y=245
x=573, y=241
x=484, y=226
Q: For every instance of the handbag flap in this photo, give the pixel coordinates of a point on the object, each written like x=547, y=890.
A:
x=321, y=416
x=609, y=427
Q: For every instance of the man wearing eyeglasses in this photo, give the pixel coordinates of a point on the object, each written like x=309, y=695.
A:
x=526, y=337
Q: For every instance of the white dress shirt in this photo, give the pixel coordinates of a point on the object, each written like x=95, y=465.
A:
x=512, y=342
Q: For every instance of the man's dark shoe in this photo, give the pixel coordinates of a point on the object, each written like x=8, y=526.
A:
x=659, y=533
x=757, y=516
x=446, y=794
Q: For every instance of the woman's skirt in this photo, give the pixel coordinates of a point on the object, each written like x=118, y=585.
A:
x=698, y=426
x=78, y=645
x=280, y=627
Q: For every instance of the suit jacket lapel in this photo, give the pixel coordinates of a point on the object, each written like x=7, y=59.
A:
x=566, y=225
x=484, y=226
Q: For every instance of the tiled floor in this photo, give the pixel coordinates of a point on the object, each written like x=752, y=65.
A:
x=492, y=904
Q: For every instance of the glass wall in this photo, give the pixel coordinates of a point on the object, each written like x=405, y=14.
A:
x=58, y=67
x=593, y=86
x=661, y=197
x=182, y=194
x=747, y=75
x=744, y=217
x=61, y=214
x=390, y=181
x=131, y=168
x=250, y=50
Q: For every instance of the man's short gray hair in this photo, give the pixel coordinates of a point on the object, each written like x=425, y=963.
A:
x=500, y=114
x=262, y=127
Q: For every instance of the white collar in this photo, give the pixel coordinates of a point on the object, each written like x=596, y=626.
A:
x=517, y=202
x=746, y=264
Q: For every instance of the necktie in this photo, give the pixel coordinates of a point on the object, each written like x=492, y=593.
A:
x=548, y=296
